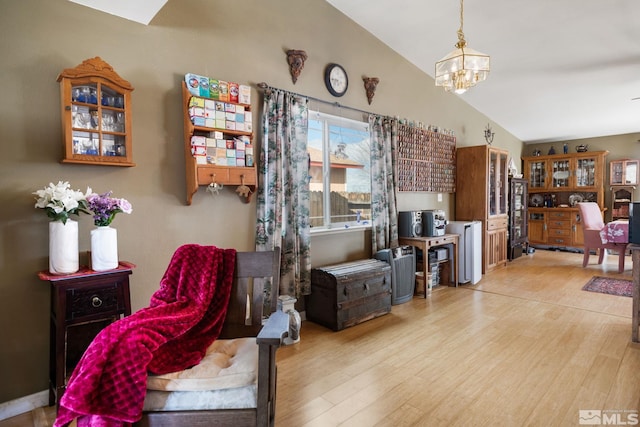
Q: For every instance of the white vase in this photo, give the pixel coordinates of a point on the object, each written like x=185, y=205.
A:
x=63, y=247
x=104, y=248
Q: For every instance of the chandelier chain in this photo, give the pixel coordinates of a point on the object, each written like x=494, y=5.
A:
x=461, y=41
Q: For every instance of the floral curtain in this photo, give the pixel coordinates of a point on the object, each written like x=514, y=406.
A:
x=283, y=189
x=384, y=213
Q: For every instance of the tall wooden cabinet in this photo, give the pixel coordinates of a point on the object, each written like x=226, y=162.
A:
x=481, y=194
x=557, y=182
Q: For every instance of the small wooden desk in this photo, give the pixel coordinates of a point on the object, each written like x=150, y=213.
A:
x=82, y=303
x=635, y=317
x=425, y=243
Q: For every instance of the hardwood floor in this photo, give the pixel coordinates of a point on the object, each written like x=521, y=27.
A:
x=525, y=346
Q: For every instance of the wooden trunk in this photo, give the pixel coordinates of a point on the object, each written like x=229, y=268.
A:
x=346, y=294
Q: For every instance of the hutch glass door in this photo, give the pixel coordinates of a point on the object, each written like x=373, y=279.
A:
x=561, y=172
x=586, y=172
x=537, y=174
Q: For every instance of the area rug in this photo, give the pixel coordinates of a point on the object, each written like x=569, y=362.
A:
x=609, y=285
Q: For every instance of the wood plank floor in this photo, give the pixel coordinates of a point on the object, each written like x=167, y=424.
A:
x=524, y=347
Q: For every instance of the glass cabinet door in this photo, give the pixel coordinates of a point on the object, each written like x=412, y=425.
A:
x=493, y=172
x=585, y=172
x=517, y=222
x=503, y=183
x=631, y=172
x=537, y=174
x=498, y=183
x=561, y=172
x=98, y=120
x=616, y=173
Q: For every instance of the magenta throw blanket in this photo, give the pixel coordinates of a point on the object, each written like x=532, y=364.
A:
x=108, y=386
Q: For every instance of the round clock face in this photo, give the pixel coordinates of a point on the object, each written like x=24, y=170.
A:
x=335, y=77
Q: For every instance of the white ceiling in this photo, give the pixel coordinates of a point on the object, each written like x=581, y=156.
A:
x=561, y=69
x=141, y=11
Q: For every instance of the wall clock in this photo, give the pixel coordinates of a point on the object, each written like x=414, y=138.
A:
x=336, y=80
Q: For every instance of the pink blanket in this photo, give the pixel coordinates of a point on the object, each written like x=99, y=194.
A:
x=185, y=316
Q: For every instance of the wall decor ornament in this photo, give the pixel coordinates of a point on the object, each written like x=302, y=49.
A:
x=488, y=134
x=296, y=59
x=370, y=85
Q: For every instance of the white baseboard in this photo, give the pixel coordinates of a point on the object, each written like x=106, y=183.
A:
x=24, y=404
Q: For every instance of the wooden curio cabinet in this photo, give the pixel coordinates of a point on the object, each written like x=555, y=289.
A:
x=624, y=172
x=96, y=115
x=518, y=218
x=557, y=182
x=623, y=179
x=481, y=194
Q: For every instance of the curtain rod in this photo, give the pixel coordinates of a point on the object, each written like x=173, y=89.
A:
x=265, y=86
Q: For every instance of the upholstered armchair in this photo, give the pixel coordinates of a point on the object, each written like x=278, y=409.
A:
x=592, y=224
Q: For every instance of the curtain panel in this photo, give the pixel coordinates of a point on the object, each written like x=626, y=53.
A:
x=283, y=189
x=384, y=212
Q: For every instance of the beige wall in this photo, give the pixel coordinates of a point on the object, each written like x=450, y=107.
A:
x=242, y=41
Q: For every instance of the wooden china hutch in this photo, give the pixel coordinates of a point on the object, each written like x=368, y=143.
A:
x=557, y=182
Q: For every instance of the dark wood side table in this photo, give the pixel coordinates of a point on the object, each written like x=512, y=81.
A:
x=82, y=304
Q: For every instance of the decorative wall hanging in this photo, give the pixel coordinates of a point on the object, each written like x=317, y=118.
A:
x=370, y=84
x=296, y=59
x=488, y=134
x=426, y=159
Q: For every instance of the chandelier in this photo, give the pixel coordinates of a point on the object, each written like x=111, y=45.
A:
x=462, y=68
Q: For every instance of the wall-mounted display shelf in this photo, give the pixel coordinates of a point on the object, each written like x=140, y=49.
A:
x=218, y=143
x=96, y=115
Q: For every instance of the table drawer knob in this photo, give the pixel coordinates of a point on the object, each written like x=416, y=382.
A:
x=96, y=301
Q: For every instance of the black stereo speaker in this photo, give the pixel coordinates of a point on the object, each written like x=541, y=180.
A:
x=410, y=224
x=634, y=223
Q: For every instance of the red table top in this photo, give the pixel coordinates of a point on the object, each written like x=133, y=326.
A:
x=85, y=271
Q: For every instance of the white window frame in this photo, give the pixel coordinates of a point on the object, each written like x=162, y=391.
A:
x=327, y=120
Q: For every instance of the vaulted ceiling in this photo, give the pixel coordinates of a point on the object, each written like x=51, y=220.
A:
x=560, y=70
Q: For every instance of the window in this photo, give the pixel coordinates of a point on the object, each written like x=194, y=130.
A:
x=339, y=161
